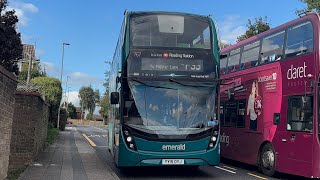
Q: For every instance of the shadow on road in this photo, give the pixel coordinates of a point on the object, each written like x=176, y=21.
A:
x=160, y=172
x=253, y=168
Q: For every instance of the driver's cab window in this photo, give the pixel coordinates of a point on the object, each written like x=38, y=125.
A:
x=300, y=113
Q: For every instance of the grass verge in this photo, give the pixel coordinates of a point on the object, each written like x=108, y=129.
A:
x=52, y=135
x=13, y=175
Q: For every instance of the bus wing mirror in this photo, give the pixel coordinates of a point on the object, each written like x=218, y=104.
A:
x=114, y=97
x=223, y=56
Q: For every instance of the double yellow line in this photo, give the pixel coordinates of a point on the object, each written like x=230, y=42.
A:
x=89, y=140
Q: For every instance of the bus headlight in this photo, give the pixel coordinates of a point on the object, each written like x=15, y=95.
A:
x=214, y=138
x=129, y=139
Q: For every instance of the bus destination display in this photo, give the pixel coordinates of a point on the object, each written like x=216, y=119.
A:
x=160, y=64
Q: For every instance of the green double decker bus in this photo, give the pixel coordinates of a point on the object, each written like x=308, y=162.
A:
x=164, y=91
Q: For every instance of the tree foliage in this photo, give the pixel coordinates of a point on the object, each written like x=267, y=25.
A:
x=253, y=28
x=107, y=76
x=223, y=44
x=104, y=102
x=10, y=41
x=52, y=91
x=89, y=98
x=89, y=116
x=50, y=88
x=72, y=111
x=312, y=5
x=36, y=71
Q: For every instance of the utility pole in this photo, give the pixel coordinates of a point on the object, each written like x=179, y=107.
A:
x=63, y=44
x=29, y=69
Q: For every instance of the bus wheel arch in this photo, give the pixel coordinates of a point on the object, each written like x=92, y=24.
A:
x=267, y=158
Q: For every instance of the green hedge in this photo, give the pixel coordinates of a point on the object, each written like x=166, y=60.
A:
x=63, y=119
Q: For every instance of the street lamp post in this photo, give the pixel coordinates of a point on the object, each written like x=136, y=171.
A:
x=63, y=44
x=29, y=69
x=66, y=90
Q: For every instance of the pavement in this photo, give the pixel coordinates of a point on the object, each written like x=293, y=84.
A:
x=71, y=157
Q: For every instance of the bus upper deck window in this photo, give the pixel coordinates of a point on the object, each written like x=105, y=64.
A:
x=250, y=55
x=272, y=47
x=300, y=40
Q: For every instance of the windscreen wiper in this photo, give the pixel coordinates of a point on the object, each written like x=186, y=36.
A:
x=180, y=83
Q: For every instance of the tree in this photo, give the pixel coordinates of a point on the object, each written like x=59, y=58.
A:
x=107, y=76
x=223, y=44
x=88, y=98
x=312, y=5
x=72, y=111
x=253, y=28
x=52, y=91
x=10, y=41
x=37, y=71
x=104, y=102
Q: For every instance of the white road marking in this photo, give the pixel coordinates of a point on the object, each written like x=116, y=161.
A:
x=228, y=167
x=100, y=129
x=225, y=169
x=71, y=128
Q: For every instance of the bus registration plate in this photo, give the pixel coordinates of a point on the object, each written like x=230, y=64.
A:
x=172, y=161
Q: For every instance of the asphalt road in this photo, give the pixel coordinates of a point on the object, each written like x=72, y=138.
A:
x=226, y=170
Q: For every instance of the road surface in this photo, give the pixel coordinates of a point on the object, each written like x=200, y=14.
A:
x=97, y=136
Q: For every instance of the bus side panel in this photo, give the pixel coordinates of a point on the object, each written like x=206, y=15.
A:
x=293, y=144
x=260, y=87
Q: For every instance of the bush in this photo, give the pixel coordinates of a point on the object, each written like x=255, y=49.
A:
x=63, y=119
x=89, y=116
x=50, y=125
x=52, y=91
x=52, y=135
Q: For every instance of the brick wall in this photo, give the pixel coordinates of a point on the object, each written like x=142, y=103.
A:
x=8, y=86
x=29, y=128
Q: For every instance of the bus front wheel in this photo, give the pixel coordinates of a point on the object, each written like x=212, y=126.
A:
x=267, y=160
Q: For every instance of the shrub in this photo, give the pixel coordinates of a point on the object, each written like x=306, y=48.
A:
x=89, y=116
x=63, y=119
x=52, y=91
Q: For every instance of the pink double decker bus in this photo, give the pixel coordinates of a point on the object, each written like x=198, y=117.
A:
x=270, y=99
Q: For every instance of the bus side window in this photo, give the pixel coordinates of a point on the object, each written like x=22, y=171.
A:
x=241, y=113
x=300, y=40
x=233, y=61
x=272, y=47
x=231, y=113
x=223, y=65
x=300, y=113
x=250, y=55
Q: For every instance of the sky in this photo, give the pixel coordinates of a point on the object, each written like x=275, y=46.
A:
x=92, y=28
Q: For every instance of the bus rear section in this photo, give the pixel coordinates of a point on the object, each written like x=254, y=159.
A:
x=250, y=102
x=270, y=103
x=164, y=90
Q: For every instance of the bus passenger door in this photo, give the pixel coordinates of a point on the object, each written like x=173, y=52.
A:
x=298, y=137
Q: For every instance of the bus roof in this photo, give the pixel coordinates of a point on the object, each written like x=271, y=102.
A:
x=272, y=30
x=165, y=12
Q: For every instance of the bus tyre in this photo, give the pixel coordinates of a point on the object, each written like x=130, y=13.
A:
x=267, y=160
